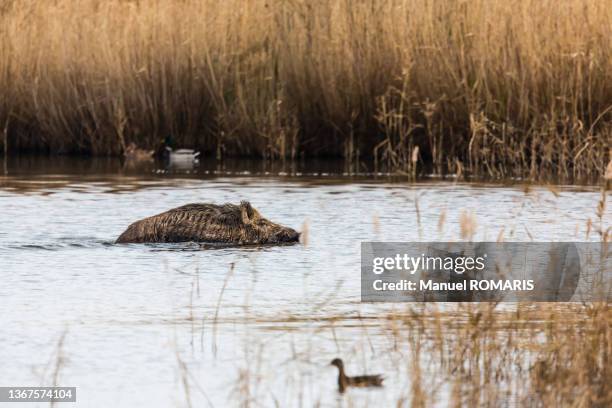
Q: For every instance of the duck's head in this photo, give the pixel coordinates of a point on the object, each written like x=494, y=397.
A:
x=338, y=363
x=168, y=141
x=164, y=147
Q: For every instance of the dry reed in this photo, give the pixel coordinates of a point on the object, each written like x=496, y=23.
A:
x=537, y=355
x=520, y=87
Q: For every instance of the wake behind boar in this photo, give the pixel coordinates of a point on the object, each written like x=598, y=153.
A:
x=226, y=224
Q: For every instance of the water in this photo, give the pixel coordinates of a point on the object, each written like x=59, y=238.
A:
x=252, y=326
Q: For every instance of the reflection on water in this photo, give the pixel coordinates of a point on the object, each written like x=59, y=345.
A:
x=101, y=166
x=260, y=324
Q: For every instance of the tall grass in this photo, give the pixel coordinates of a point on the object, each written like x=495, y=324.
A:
x=539, y=355
x=500, y=87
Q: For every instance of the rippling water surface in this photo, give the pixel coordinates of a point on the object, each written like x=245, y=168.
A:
x=133, y=323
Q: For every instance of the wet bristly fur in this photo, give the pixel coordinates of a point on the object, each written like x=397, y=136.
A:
x=226, y=224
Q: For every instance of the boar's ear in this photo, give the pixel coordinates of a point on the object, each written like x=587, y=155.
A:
x=247, y=213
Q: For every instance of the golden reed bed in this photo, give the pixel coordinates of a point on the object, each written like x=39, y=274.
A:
x=495, y=87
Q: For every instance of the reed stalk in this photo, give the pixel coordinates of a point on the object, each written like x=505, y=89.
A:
x=519, y=87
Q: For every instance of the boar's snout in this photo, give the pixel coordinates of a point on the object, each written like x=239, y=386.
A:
x=286, y=235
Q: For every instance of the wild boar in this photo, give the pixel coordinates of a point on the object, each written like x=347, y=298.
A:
x=209, y=223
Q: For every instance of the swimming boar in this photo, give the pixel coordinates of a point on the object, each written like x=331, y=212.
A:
x=225, y=224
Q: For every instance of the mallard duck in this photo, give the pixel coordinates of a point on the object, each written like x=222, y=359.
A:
x=176, y=157
x=182, y=156
x=345, y=381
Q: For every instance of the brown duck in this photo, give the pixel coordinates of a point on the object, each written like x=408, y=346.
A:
x=227, y=224
x=132, y=153
x=345, y=381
